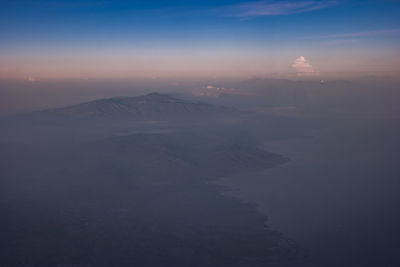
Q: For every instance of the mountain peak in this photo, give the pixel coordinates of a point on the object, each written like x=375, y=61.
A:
x=156, y=95
x=153, y=94
x=153, y=106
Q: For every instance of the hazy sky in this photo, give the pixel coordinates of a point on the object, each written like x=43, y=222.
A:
x=88, y=39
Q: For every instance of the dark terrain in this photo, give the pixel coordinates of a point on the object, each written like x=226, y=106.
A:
x=189, y=180
x=143, y=198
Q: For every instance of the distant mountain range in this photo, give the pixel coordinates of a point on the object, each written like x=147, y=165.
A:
x=302, y=94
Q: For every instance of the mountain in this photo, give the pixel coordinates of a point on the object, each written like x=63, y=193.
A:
x=153, y=106
x=97, y=119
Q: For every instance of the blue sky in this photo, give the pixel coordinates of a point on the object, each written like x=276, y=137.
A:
x=156, y=38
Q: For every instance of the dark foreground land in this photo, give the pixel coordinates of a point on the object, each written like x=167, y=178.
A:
x=144, y=198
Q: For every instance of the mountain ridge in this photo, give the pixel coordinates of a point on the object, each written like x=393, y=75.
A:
x=151, y=106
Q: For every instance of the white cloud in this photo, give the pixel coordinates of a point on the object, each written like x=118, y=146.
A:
x=303, y=68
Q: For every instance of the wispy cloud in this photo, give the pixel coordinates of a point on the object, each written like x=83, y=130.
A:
x=340, y=41
x=272, y=8
x=364, y=33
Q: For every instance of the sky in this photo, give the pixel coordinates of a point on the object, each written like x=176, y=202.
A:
x=212, y=38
